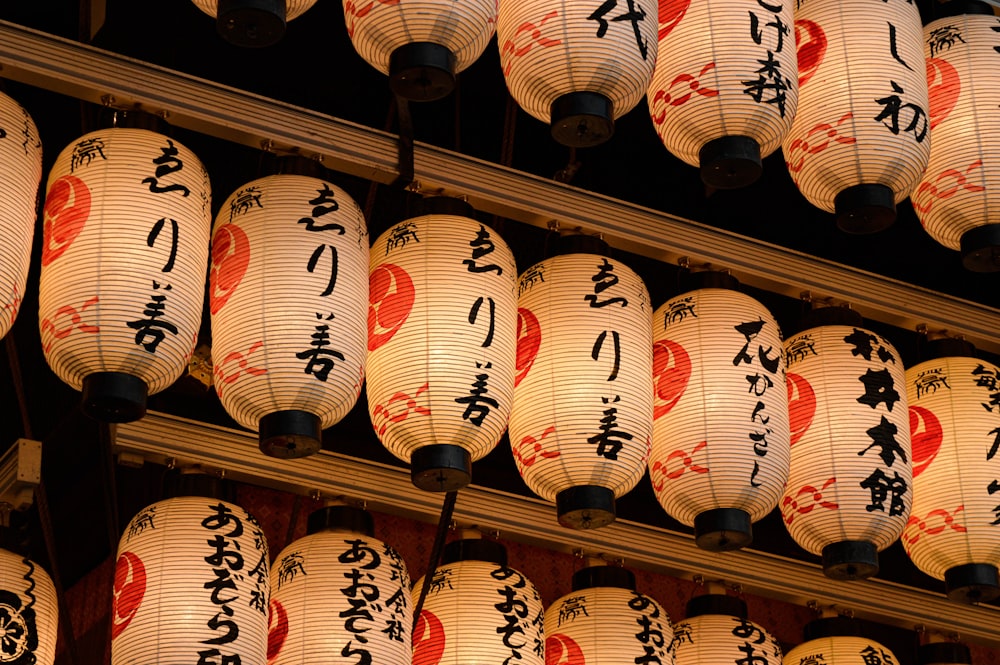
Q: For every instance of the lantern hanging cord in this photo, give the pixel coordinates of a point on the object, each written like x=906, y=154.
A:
x=447, y=509
x=405, y=166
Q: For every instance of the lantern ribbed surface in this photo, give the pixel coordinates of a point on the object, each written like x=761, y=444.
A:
x=124, y=252
x=720, y=409
x=336, y=596
x=478, y=613
x=441, y=335
x=851, y=476
x=288, y=295
x=21, y=161
x=293, y=8
x=191, y=581
x=29, y=612
x=840, y=650
x=862, y=111
x=583, y=403
x=716, y=639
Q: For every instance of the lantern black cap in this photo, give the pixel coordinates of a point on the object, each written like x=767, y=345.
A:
x=948, y=347
x=440, y=467
x=474, y=549
x=980, y=247
x=296, y=165
x=850, y=560
x=446, y=205
x=959, y=7
x=341, y=518
x=838, y=626
x=863, y=209
x=290, y=434
x=14, y=540
x=114, y=397
x=710, y=279
x=582, y=119
x=836, y=315
x=716, y=603
x=972, y=583
x=194, y=482
x=941, y=653
x=585, y=507
x=422, y=71
x=251, y=23
x=136, y=119
x=722, y=529
x=730, y=162
x=603, y=576
x=579, y=243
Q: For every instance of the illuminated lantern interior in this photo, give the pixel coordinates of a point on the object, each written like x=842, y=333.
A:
x=717, y=631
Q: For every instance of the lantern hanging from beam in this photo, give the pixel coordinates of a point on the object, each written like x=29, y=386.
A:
x=717, y=632
x=29, y=611
x=253, y=22
x=840, y=641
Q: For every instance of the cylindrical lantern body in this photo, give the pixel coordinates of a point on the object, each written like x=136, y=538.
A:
x=955, y=421
x=862, y=114
x=125, y=248
x=191, y=582
x=725, y=79
x=29, y=612
x=840, y=650
x=21, y=161
x=717, y=639
x=583, y=403
x=288, y=294
x=720, y=428
x=293, y=8
x=849, y=485
x=956, y=195
x=441, y=336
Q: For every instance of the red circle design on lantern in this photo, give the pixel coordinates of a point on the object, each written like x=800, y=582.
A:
x=671, y=12
x=390, y=296
x=428, y=639
x=230, y=258
x=926, y=435
x=810, y=41
x=561, y=649
x=277, y=629
x=943, y=88
x=67, y=208
x=529, y=340
x=801, y=406
x=129, y=589
x=671, y=373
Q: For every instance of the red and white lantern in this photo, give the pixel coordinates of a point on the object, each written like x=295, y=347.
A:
x=717, y=632
x=253, y=22
x=29, y=612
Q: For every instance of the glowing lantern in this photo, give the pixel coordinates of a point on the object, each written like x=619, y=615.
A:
x=288, y=297
x=474, y=606
x=849, y=486
x=582, y=418
x=320, y=584
x=29, y=612
x=441, y=342
x=720, y=431
x=726, y=85
x=575, y=65
x=861, y=136
x=717, y=632
x=127, y=225
x=840, y=641
x=253, y=22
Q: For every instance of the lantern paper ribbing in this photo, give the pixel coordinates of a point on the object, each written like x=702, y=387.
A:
x=29, y=612
x=723, y=639
x=861, y=136
x=841, y=650
x=582, y=416
x=725, y=88
x=288, y=294
x=293, y=8
x=720, y=429
x=191, y=581
x=21, y=161
x=125, y=246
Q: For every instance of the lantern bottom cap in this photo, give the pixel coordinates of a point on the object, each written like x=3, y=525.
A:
x=251, y=23
x=972, y=583
x=114, y=397
x=582, y=119
x=722, y=529
x=850, y=560
x=422, y=71
x=440, y=467
x=290, y=434
x=585, y=507
x=863, y=209
x=980, y=248
x=730, y=162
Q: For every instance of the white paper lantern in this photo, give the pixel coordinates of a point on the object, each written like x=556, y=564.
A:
x=20, y=174
x=576, y=65
x=861, y=136
x=29, y=612
x=720, y=432
x=725, y=88
x=288, y=294
x=441, y=344
x=478, y=610
x=125, y=248
x=253, y=22
x=420, y=44
x=955, y=200
x=583, y=407
x=849, y=486
x=841, y=650
x=339, y=594
x=717, y=632
x=191, y=582
x=953, y=532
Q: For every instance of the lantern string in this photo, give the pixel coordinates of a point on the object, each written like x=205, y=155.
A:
x=405, y=166
x=22, y=402
x=48, y=535
x=106, y=433
x=447, y=509
x=373, y=187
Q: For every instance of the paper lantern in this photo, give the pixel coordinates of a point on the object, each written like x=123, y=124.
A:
x=478, y=610
x=125, y=247
x=605, y=621
x=191, y=582
x=839, y=641
x=29, y=612
x=420, y=44
x=441, y=342
x=725, y=87
x=339, y=592
x=720, y=431
x=717, y=632
x=288, y=294
x=952, y=533
x=253, y=22
x=954, y=200
x=577, y=66
x=583, y=402
x=861, y=136
x=21, y=164
x=849, y=486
